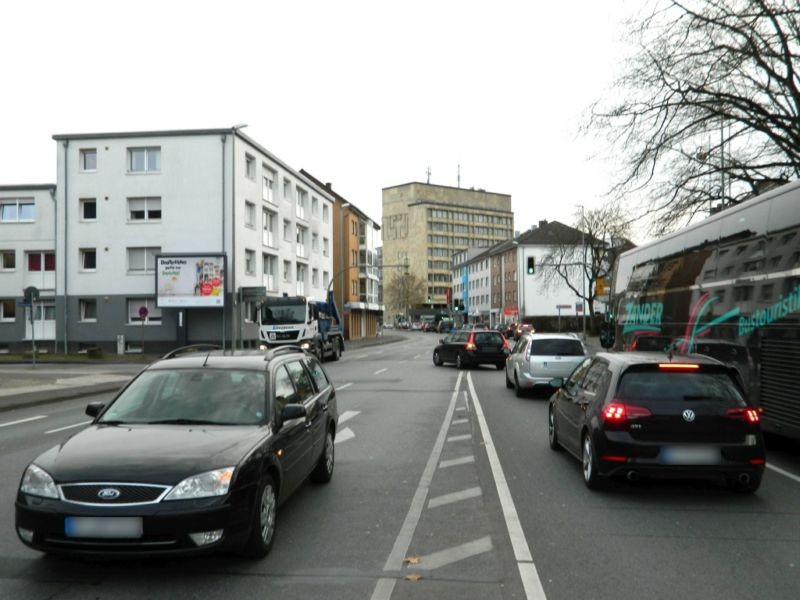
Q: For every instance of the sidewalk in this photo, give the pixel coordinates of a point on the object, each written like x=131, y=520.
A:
x=22, y=384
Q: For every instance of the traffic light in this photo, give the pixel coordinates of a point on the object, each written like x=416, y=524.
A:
x=531, y=265
x=429, y=299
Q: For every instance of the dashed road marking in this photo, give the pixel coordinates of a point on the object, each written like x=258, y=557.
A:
x=416, y=357
x=379, y=371
x=347, y=415
x=67, y=427
x=344, y=385
x=454, y=462
x=36, y=418
x=459, y=421
x=454, y=554
x=474, y=492
x=458, y=438
x=344, y=435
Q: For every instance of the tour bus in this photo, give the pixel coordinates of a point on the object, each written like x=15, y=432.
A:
x=728, y=287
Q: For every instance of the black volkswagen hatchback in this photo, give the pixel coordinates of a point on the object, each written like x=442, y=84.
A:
x=643, y=414
x=194, y=454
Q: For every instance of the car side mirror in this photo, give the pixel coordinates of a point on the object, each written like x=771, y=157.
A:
x=558, y=382
x=94, y=408
x=293, y=411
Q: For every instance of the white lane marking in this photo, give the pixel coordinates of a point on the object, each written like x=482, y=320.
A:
x=416, y=357
x=460, y=408
x=384, y=587
x=454, y=497
x=460, y=421
x=345, y=385
x=379, y=371
x=458, y=438
x=344, y=435
x=454, y=462
x=784, y=473
x=10, y=423
x=522, y=552
x=454, y=554
x=67, y=427
x=347, y=415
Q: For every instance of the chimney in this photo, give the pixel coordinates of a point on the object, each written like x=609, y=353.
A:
x=543, y=222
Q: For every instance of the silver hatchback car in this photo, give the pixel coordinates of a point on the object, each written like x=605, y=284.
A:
x=539, y=357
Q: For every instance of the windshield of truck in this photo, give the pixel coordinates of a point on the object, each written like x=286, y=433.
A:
x=283, y=314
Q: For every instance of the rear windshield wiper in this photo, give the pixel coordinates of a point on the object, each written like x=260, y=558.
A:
x=184, y=422
x=700, y=397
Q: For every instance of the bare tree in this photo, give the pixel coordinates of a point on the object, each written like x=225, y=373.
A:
x=403, y=291
x=592, y=255
x=711, y=105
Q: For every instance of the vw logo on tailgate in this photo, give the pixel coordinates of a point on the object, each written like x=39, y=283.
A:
x=688, y=415
x=108, y=494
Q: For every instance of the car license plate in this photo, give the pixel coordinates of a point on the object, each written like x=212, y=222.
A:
x=690, y=455
x=103, y=527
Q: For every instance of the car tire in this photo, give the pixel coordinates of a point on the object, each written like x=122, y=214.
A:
x=744, y=488
x=337, y=349
x=460, y=361
x=319, y=351
x=437, y=360
x=323, y=472
x=509, y=385
x=589, y=462
x=264, y=520
x=500, y=366
x=517, y=389
x=552, y=430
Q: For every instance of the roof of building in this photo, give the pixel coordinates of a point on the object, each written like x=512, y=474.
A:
x=25, y=187
x=550, y=233
x=449, y=187
x=341, y=198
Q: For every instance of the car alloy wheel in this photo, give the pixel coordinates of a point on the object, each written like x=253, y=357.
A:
x=323, y=472
x=552, y=433
x=590, y=476
x=264, y=520
x=268, y=511
x=437, y=360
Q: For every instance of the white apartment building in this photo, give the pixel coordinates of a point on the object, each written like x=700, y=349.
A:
x=124, y=198
x=27, y=259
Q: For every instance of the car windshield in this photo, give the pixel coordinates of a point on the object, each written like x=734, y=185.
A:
x=654, y=387
x=556, y=347
x=191, y=396
x=283, y=314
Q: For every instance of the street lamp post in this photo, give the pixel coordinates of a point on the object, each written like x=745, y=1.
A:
x=583, y=270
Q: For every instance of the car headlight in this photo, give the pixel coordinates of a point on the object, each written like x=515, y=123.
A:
x=204, y=485
x=37, y=482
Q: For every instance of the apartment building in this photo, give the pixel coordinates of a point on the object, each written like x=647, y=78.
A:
x=427, y=224
x=212, y=200
x=27, y=259
x=356, y=276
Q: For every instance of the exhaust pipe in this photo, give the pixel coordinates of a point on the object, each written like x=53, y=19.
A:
x=744, y=478
x=632, y=476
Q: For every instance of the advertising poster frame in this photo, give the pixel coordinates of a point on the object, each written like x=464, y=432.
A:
x=190, y=280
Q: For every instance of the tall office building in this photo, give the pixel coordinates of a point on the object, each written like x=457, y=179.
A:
x=426, y=225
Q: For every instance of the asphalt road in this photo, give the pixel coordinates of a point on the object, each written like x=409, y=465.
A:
x=445, y=488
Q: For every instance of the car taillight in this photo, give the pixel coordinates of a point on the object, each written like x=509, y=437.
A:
x=505, y=345
x=618, y=412
x=471, y=342
x=745, y=414
x=678, y=367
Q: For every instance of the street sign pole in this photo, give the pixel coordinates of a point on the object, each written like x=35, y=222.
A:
x=32, y=309
x=31, y=295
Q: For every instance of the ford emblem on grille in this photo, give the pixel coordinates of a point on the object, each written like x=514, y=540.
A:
x=688, y=415
x=108, y=494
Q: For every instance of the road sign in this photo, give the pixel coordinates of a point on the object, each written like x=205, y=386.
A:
x=579, y=307
x=143, y=312
x=31, y=294
x=563, y=306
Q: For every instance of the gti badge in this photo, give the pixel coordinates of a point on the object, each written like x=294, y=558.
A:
x=108, y=494
x=688, y=415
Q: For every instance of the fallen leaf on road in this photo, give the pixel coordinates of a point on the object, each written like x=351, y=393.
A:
x=413, y=577
x=411, y=560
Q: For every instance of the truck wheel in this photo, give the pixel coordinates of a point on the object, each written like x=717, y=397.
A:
x=319, y=351
x=337, y=349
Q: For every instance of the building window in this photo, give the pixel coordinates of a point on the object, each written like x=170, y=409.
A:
x=301, y=241
x=287, y=236
x=287, y=189
x=37, y=260
x=13, y=210
x=142, y=260
x=268, y=184
x=315, y=243
x=301, y=280
x=250, y=214
x=325, y=250
x=326, y=279
x=354, y=257
x=8, y=260
x=88, y=158
x=88, y=259
x=326, y=214
x=249, y=262
x=88, y=209
x=315, y=277
x=301, y=203
x=144, y=209
x=270, y=263
x=314, y=206
x=88, y=310
x=8, y=310
x=144, y=160
x=287, y=271
x=249, y=167
x=135, y=306
x=268, y=219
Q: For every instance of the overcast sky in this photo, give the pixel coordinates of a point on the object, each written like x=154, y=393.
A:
x=365, y=95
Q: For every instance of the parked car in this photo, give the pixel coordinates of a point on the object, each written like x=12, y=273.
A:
x=194, y=454
x=470, y=348
x=523, y=328
x=444, y=326
x=539, y=357
x=640, y=414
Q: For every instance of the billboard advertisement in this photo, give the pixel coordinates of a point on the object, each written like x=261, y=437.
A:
x=190, y=281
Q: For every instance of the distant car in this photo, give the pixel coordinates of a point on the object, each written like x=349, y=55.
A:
x=727, y=352
x=444, y=326
x=539, y=357
x=388, y=325
x=651, y=343
x=416, y=326
x=523, y=328
x=470, y=348
x=194, y=454
x=640, y=414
